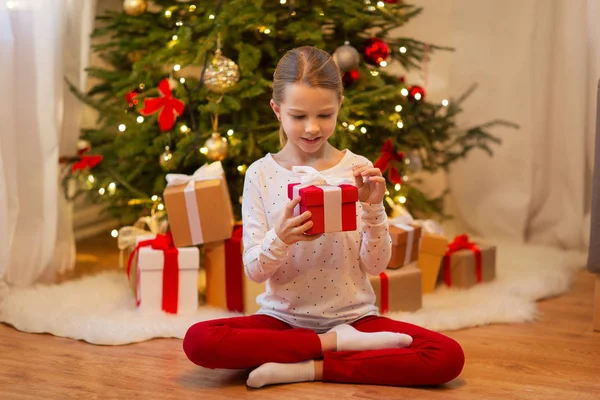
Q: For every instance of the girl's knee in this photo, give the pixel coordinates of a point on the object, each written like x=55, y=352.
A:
x=451, y=362
x=199, y=344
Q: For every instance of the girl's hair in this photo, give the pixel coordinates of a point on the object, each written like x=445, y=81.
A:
x=308, y=66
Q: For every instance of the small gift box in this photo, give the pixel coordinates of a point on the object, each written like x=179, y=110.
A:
x=405, y=243
x=467, y=263
x=432, y=251
x=331, y=201
x=398, y=290
x=227, y=286
x=199, y=206
x=163, y=276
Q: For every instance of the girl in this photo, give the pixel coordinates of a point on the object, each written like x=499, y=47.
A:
x=317, y=319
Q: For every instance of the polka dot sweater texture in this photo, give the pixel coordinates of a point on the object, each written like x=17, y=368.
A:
x=318, y=284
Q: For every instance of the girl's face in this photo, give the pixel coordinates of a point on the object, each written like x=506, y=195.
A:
x=308, y=116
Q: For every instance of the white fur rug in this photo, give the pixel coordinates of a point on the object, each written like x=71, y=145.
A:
x=101, y=309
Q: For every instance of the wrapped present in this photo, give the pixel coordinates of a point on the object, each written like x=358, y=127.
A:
x=154, y=224
x=331, y=201
x=163, y=276
x=405, y=243
x=227, y=286
x=431, y=253
x=199, y=206
x=398, y=290
x=467, y=263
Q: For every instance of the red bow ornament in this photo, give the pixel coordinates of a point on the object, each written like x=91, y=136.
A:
x=461, y=242
x=86, y=161
x=170, y=293
x=170, y=108
x=388, y=155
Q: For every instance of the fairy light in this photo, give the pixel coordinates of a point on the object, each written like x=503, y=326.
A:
x=351, y=127
x=230, y=132
x=160, y=207
x=182, y=80
x=402, y=49
x=114, y=233
x=267, y=31
x=242, y=168
x=141, y=86
x=122, y=127
x=282, y=1
x=322, y=14
x=179, y=23
x=405, y=178
x=211, y=16
x=140, y=119
x=101, y=191
x=383, y=64
x=402, y=199
x=204, y=150
x=184, y=128
x=91, y=178
x=407, y=161
x=345, y=124
x=397, y=186
x=418, y=96
x=112, y=187
x=176, y=67
x=175, y=37
x=404, y=92
x=380, y=4
x=154, y=198
x=445, y=103
x=363, y=129
x=400, y=125
x=398, y=108
x=374, y=73
x=168, y=14
x=192, y=8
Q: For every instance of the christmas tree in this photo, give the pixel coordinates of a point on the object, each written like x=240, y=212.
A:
x=190, y=82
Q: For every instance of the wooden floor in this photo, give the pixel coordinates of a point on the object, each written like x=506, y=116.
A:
x=555, y=358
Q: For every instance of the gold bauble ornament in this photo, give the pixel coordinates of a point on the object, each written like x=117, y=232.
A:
x=135, y=7
x=166, y=159
x=221, y=74
x=216, y=147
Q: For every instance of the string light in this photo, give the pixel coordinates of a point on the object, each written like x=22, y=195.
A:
x=154, y=198
x=283, y=1
x=122, y=127
x=345, y=124
x=160, y=207
x=380, y=4
x=417, y=96
x=267, y=31
x=184, y=128
x=192, y=8
x=404, y=92
x=351, y=127
x=363, y=129
x=176, y=67
x=398, y=108
x=141, y=86
x=179, y=23
x=211, y=16
x=175, y=37
x=112, y=187
x=397, y=186
x=140, y=119
x=168, y=14
x=230, y=132
x=182, y=80
x=402, y=199
x=383, y=64
x=114, y=233
x=91, y=178
x=204, y=150
x=400, y=124
x=101, y=191
x=374, y=73
x=242, y=168
x=445, y=103
x=402, y=49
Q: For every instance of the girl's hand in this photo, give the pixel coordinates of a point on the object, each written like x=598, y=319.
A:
x=370, y=184
x=292, y=229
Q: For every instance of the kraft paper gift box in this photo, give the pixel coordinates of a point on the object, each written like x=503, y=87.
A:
x=331, y=201
x=467, y=263
x=198, y=206
x=431, y=254
x=162, y=276
x=405, y=243
x=227, y=286
x=398, y=289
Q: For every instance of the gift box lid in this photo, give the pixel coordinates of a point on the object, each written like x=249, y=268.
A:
x=202, y=184
x=400, y=236
x=149, y=259
x=313, y=195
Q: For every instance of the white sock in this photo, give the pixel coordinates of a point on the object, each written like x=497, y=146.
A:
x=348, y=338
x=272, y=373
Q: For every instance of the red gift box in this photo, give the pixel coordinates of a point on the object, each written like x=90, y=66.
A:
x=333, y=207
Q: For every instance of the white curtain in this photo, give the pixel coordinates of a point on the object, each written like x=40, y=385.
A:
x=41, y=43
x=537, y=64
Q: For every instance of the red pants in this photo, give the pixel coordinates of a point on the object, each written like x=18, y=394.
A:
x=248, y=342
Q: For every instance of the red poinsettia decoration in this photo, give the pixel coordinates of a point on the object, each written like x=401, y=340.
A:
x=170, y=108
x=388, y=155
x=84, y=161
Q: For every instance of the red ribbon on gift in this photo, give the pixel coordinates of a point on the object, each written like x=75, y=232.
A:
x=170, y=292
x=234, y=270
x=461, y=242
x=385, y=293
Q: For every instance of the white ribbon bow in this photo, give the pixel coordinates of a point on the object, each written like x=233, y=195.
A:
x=310, y=176
x=127, y=234
x=204, y=173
